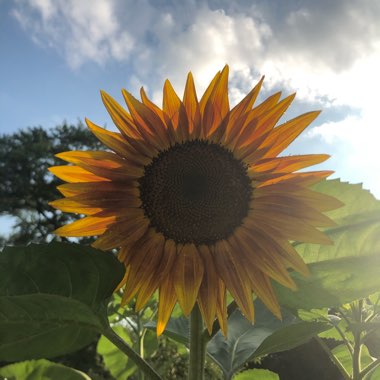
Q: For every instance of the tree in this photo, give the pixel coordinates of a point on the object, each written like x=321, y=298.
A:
x=27, y=186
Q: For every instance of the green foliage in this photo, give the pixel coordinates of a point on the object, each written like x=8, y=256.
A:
x=357, y=227
x=177, y=329
x=344, y=356
x=256, y=374
x=118, y=364
x=27, y=186
x=53, y=298
x=246, y=341
x=267, y=335
x=332, y=283
x=40, y=370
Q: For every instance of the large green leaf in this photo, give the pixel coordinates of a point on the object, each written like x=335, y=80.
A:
x=116, y=362
x=256, y=374
x=268, y=334
x=44, y=325
x=177, y=329
x=333, y=283
x=41, y=370
x=53, y=298
x=357, y=231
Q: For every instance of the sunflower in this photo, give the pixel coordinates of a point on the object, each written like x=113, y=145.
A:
x=197, y=200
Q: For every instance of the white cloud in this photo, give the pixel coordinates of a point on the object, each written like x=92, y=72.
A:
x=329, y=51
x=79, y=32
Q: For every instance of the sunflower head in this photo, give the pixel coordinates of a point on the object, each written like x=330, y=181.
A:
x=196, y=198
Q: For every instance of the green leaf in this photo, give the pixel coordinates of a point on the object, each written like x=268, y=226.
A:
x=115, y=361
x=332, y=283
x=177, y=329
x=358, y=224
x=343, y=355
x=291, y=336
x=53, y=298
x=268, y=334
x=256, y=374
x=374, y=375
x=41, y=370
x=44, y=325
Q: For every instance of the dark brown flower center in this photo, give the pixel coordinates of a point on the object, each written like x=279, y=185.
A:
x=195, y=192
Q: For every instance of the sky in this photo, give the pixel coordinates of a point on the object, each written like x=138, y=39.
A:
x=55, y=56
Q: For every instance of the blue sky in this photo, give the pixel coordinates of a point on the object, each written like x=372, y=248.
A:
x=57, y=55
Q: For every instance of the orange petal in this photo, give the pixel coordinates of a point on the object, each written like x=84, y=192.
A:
x=166, y=300
x=208, y=291
x=244, y=105
x=89, y=226
x=221, y=307
x=176, y=112
x=251, y=118
x=75, y=174
x=105, y=164
x=124, y=233
x=289, y=163
x=187, y=277
x=300, y=179
x=157, y=110
x=191, y=104
x=293, y=228
x=208, y=92
x=146, y=258
x=288, y=205
x=261, y=255
x=315, y=199
x=217, y=106
x=114, y=141
x=232, y=272
x=151, y=126
x=283, y=135
x=70, y=189
x=120, y=116
x=260, y=126
x=158, y=273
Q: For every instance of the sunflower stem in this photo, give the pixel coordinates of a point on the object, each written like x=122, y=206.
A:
x=133, y=355
x=197, y=346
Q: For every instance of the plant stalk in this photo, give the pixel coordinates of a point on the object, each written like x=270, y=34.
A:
x=334, y=359
x=197, y=346
x=124, y=347
x=356, y=308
